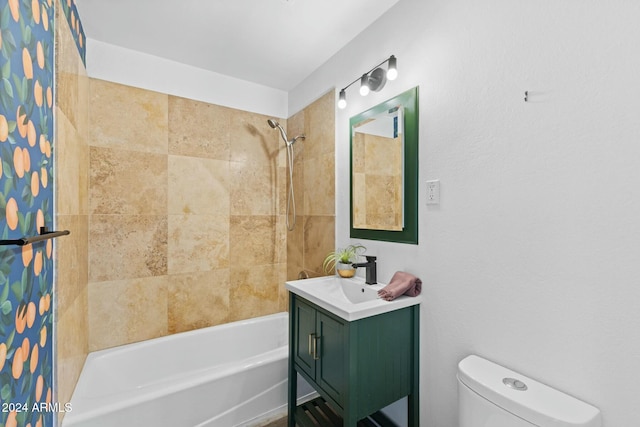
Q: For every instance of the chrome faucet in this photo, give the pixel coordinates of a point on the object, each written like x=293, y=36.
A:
x=372, y=271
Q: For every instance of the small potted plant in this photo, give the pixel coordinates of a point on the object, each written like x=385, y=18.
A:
x=341, y=260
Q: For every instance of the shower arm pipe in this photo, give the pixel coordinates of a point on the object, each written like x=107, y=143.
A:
x=44, y=235
x=359, y=78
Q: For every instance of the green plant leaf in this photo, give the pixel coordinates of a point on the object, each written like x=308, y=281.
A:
x=21, y=223
x=44, y=276
x=18, y=290
x=9, y=43
x=6, y=320
x=10, y=338
x=17, y=82
x=26, y=34
x=5, y=290
x=6, y=70
x=6, y=104
x=29, y=220
x=28, y=284
x=4, y=17
x=6, y=152
x=9, y=183
x=21, y=418
x=6, y=261
x=26, y=382
x=43, y=286
x=46, y=366
x=27, y=197
x=43, y=321
x=26, y=93
x=8, y=89
x=5, y=392
x=6, y=307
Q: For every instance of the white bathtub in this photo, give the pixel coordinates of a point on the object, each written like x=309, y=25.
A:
x=227, y=375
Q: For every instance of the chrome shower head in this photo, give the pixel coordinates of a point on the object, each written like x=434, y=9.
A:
x=274, y=124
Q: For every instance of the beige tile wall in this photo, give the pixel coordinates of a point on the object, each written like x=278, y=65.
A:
x=186, y=215
x=71, y=197
x=314, y=182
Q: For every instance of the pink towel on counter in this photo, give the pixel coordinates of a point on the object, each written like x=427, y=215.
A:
x=401, y=283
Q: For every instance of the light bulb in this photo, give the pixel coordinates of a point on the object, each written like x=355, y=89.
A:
x=392, y=71
x=342, y=101
x=364, y=85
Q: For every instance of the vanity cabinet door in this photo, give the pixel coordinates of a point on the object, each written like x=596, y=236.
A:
x=330, y=367
x=319, y=348
x=304, y=334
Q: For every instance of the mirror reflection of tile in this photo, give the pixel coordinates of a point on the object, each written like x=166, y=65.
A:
x=377, y=176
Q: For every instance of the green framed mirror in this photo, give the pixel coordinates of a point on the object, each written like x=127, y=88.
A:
x=384, y=171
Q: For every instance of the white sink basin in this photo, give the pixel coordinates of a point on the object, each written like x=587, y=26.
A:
x=350, y=299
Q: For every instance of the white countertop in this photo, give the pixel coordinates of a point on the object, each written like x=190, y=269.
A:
x=350, y=299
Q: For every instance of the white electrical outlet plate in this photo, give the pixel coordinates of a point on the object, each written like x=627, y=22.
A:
x=433, y=192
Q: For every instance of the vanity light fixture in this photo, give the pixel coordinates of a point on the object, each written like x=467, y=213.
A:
x=372, y=80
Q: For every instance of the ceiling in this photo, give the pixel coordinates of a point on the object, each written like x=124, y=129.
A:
x=276, y=43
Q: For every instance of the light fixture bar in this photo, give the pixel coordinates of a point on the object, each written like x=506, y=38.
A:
x=359, y=78
x=342, y=101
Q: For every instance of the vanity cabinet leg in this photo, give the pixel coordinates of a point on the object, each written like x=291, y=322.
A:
x=349, y=420
x=293, y=375
x=413, y=401
x=293, y=392
x=413, y=409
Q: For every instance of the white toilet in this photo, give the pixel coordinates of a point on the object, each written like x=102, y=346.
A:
x=492, y=396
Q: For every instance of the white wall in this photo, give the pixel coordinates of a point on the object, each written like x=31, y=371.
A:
x=532, y=257
x=117, y=64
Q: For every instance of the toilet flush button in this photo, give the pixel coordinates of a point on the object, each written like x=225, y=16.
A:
x=514, y=384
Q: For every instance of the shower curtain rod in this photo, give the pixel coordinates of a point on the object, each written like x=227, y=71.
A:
x=44, y=235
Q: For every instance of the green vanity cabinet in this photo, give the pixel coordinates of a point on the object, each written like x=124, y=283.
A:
x=359, y=366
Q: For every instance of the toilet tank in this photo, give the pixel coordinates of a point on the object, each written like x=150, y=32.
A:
x=490, y=395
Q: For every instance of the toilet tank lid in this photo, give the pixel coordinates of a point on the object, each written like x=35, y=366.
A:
x=539, y=404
